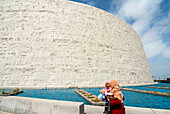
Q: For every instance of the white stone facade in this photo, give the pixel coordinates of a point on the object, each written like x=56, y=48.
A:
x=63, y=43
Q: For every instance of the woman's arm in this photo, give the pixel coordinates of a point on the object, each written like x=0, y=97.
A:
x=103, y=91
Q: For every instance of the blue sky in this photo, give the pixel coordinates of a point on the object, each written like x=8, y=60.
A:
x=151, y=20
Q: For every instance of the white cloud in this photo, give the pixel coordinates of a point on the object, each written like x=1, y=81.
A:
x=142, y=11
x=154, y=48
x=154, y=38
x=147, y=23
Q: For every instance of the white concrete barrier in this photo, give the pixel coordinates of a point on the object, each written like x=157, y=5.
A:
x=23, y=105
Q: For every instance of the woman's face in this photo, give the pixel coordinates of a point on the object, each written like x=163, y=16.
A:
x=108, y=85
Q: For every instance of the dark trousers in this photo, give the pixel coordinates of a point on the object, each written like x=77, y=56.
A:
x=107, y=107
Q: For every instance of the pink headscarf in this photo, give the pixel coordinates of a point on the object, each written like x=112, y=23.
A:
x=105, y=88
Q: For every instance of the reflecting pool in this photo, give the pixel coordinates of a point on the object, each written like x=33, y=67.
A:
x=131, y=98
x=140, y=99
x=154, y=89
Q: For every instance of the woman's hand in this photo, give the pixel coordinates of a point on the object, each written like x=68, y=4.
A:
x=110, y=97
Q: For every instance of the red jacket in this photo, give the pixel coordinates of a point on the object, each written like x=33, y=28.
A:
x=117, y=107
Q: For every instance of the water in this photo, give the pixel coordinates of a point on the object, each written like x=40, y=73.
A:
x=52, y=94
x=152, y=89
x=140, y=99
x=131, y=98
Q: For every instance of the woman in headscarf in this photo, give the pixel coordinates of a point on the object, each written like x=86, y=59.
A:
x=116, y=104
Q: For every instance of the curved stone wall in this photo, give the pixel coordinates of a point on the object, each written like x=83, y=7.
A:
x=63, y=43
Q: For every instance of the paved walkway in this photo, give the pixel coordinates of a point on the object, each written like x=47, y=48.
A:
x=129, y=110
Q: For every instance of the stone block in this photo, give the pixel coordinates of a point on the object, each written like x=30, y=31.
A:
x=23, y=105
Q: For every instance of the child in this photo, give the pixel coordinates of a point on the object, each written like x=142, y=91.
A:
x=106, y=90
